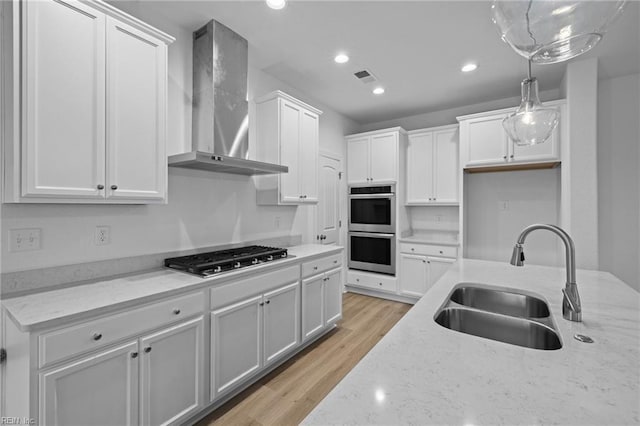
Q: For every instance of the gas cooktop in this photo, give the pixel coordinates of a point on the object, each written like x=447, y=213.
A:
x=215, y=262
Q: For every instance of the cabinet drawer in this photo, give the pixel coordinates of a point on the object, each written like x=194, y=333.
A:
x=372, y=281
x=252, y=285
x=91, y=335
x=429, y=250
x=320, y=265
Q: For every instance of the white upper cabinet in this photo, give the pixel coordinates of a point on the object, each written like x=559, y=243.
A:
x=432, y=166
x=136, y=102
x=89, y=125
x=485, y=143
x=287, y=133
x=372, y=157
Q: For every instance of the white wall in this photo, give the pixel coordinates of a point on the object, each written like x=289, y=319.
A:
x=448, y=116
x=579, y=160
x=491, y=231
x=618, y=177
x=204, y=208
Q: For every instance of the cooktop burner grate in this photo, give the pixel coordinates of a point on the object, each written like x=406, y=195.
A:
x=211, y=263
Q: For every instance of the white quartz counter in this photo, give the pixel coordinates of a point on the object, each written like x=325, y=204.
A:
x=422, y=373
x=51, y=308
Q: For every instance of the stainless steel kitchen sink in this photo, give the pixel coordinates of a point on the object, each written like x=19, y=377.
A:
x=499, y=314
x=500, y=301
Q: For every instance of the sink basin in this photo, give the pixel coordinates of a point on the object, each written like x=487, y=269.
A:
x=500, y=301
x=500, y=314
x=503, y=328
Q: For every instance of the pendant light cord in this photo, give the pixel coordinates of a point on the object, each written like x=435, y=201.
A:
x=529, y=70
x=535, y=42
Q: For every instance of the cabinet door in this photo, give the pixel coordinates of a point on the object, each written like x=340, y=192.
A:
x=413, y=275
x=333, y=296
x=384, y=157
x=420, y=171
x=547, y=151
x=99, y=390
x=172, y=373
x=486, y=141
x=136, y=128
x=358, y=160
x=63, y=141
x=290, y=152
x=437, y=267
x=309, y=154
x=312, y=306
x=236, y=344
x=446, y=166
x=281, y=321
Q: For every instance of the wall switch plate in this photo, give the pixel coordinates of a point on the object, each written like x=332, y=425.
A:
x=24, y=239
x=102, y=235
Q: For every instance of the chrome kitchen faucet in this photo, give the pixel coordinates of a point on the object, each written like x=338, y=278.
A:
x=571, y=308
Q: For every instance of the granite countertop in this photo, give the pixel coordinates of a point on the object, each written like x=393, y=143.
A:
x=425, y=239
x=422, y=373
x=51, y=308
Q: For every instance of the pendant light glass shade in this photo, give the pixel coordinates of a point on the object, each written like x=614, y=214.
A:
x=532, y=123
x=550, y=31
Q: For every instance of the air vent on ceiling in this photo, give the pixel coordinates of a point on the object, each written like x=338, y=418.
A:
x=365, y=76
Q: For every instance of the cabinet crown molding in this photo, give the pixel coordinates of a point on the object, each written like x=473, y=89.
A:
x=557, y=102
x=433, y=129
x=280, y=94
x=377, y=132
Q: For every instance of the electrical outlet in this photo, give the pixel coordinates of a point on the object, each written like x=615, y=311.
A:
x=102, y=235
x=503, y=205
x=24, y=239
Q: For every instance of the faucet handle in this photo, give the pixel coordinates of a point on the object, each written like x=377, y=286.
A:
x=571, y=307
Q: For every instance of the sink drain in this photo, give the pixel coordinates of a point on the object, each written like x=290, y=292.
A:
x=582, y=338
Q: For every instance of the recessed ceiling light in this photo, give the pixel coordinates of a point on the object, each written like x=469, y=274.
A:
x=276, y=4
x=341, y=58
x=378, y=91
x=469, y=67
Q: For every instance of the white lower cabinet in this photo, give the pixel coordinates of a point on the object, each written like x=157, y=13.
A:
x=105, y=388
x=251, y=334
x=101, y=389
x=418, y=273
x=321, y=302
x=172, y=373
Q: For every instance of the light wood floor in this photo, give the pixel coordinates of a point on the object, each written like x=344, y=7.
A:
x=289, y=393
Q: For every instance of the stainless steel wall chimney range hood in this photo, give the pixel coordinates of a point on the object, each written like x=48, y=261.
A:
x=220, y=121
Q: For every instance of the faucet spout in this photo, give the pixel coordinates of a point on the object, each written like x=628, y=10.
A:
x=571, y=307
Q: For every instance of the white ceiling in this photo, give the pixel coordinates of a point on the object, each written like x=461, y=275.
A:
x=414, y=48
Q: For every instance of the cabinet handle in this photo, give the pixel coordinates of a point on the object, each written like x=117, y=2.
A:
x=101, y=187
x=97, y=336
x=176, y=311
x=114, y=187
x=134, y=354
x=147, y=349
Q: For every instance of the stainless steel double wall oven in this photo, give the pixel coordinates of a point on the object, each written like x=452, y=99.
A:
x=372, y=227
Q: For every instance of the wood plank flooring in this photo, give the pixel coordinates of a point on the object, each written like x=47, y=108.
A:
x=289, y=393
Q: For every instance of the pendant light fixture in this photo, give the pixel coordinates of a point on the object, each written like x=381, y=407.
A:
x=550, y=31
x=532, y=123
x=547, y=32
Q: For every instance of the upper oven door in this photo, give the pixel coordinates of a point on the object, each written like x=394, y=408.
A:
x=372, y=212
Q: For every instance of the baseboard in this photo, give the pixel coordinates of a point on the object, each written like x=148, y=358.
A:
x=381, y=294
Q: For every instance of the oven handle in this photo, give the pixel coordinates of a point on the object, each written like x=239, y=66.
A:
x=372, y=234
x=387, y=195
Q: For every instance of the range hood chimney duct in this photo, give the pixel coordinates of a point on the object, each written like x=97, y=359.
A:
x=220, y=124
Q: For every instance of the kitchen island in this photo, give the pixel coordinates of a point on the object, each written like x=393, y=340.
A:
x=423, y=373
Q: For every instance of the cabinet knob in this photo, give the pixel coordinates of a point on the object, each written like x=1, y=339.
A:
x=100, y=186
x=412, y=249
x=114, y=187
x=134, y=354
x=504, y=157
x=267, y=302
x=261, y=303
x=511, y=156
x=379, y=283
x=97, y=336
x=335, y=262
x=176, y=311
x=147, y=349
x=424, y=261
x=315, y=268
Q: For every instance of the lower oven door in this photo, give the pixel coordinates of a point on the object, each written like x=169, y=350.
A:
x=372, y=251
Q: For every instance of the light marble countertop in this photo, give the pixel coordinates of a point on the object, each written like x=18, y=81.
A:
x=422, y=373
x=51, y=308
